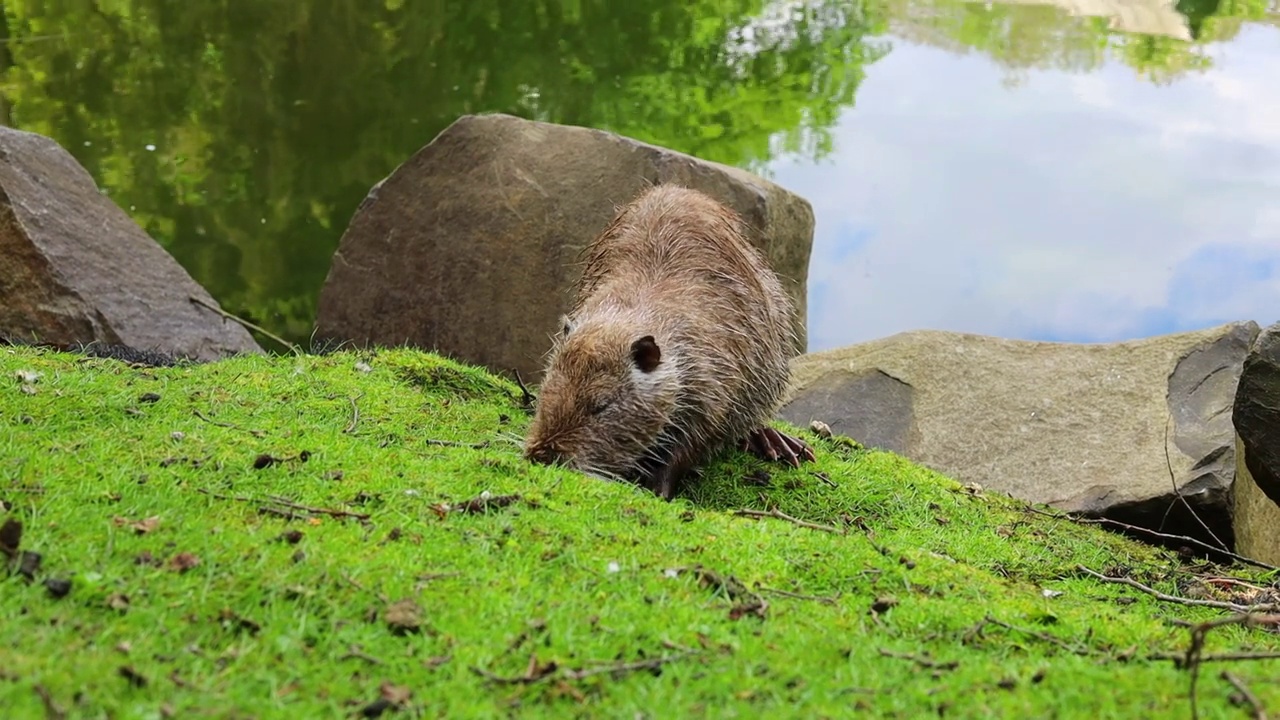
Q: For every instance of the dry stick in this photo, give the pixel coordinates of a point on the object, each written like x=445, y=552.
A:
x=293, y=348
x=356, y=584
x=51, y=709
x=355, y=415
x=1045, y=637
x=1147, y=531
x=317, y=510
x=286, y=503
x=529, y=678
x=1180, y=658
x=1234, y=607
x=784, y=593
x=277, y=512
x=922, y=661
x=823, y=477
x=1215, y=580
x=1194, y=657
x=358, y=653
x=1178, y=493
x=255, y=433
x=783, y=516
x=452, y=443
x=650, y=664
x=1259, y=713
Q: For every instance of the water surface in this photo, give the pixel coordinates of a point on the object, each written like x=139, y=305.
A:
x=1098, y=171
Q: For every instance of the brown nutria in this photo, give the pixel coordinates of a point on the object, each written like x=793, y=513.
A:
x=676, y=348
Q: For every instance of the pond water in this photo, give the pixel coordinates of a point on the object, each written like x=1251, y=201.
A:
x=1092, y=170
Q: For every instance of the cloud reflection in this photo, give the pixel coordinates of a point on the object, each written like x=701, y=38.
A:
x=1092, y=207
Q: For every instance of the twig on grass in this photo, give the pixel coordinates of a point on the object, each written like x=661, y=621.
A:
x=277, y=512
x=453, y=443
x=537, y=672
x=1164, y=597
x=231, y=426
x=783, y=516
x=1044, y=637
x=817, y=598
x=355, y=652
x=51, y=709
x=355, y=415
x=317, y=510
x=1180, y=658
x=356, y=584
x=922, y=661
x=1259, y=713
x=626, y=667
x=824, y=478
x=292, y=347
x=1194, y=657
x=747, y=602
x=1152, y=533
x=286, y=503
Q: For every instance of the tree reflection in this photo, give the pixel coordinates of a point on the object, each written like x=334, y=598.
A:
x=243, y=134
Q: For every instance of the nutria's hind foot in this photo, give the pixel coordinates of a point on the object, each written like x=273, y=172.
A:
x=767, y=443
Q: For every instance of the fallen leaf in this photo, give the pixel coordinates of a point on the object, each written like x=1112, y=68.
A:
x=397, y=695
x=883, y=604
x=57, y=587
x=134, y=677
x=10, y=537
x=436, y=661
x=183, y=562
x=29, y=564
x=404, y=616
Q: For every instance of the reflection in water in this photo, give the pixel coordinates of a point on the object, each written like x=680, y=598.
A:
x=1088, y=207
x=1145, y=17
x=243, y=134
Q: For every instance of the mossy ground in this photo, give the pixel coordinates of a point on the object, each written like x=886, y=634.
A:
x=193, y=594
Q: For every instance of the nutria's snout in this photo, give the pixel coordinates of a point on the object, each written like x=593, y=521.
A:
x=545, y=454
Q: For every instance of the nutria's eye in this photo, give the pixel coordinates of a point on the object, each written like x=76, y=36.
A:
x=600, y=406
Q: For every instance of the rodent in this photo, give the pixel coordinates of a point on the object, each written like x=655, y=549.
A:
x=676, y=348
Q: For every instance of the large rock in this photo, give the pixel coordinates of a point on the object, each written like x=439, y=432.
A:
x=470, y=247
x=1255, y=517
x=1257, y=421
x=1101, y=429
x=74, y=268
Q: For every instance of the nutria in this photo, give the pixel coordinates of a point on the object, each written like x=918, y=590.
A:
x=676, y=348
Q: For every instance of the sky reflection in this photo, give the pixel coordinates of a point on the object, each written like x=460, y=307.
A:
x=1070, y=207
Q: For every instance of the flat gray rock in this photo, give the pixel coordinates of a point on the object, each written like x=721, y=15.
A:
x=470, y=248
x=1102, y=429
x=74, y=268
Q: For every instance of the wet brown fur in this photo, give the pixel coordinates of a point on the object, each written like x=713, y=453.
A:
x=674, y=266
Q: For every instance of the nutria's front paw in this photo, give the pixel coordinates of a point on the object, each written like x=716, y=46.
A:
x=767, y=443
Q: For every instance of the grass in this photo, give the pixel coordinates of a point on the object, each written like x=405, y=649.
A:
x=194, y=594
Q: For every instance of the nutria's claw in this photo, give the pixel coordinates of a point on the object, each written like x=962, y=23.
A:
x=772, y=445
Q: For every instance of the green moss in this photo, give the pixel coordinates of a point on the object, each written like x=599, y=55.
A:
x=283, y=612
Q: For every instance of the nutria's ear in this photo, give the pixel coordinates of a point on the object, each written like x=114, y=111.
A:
x=645, y=354
x=566, y=325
